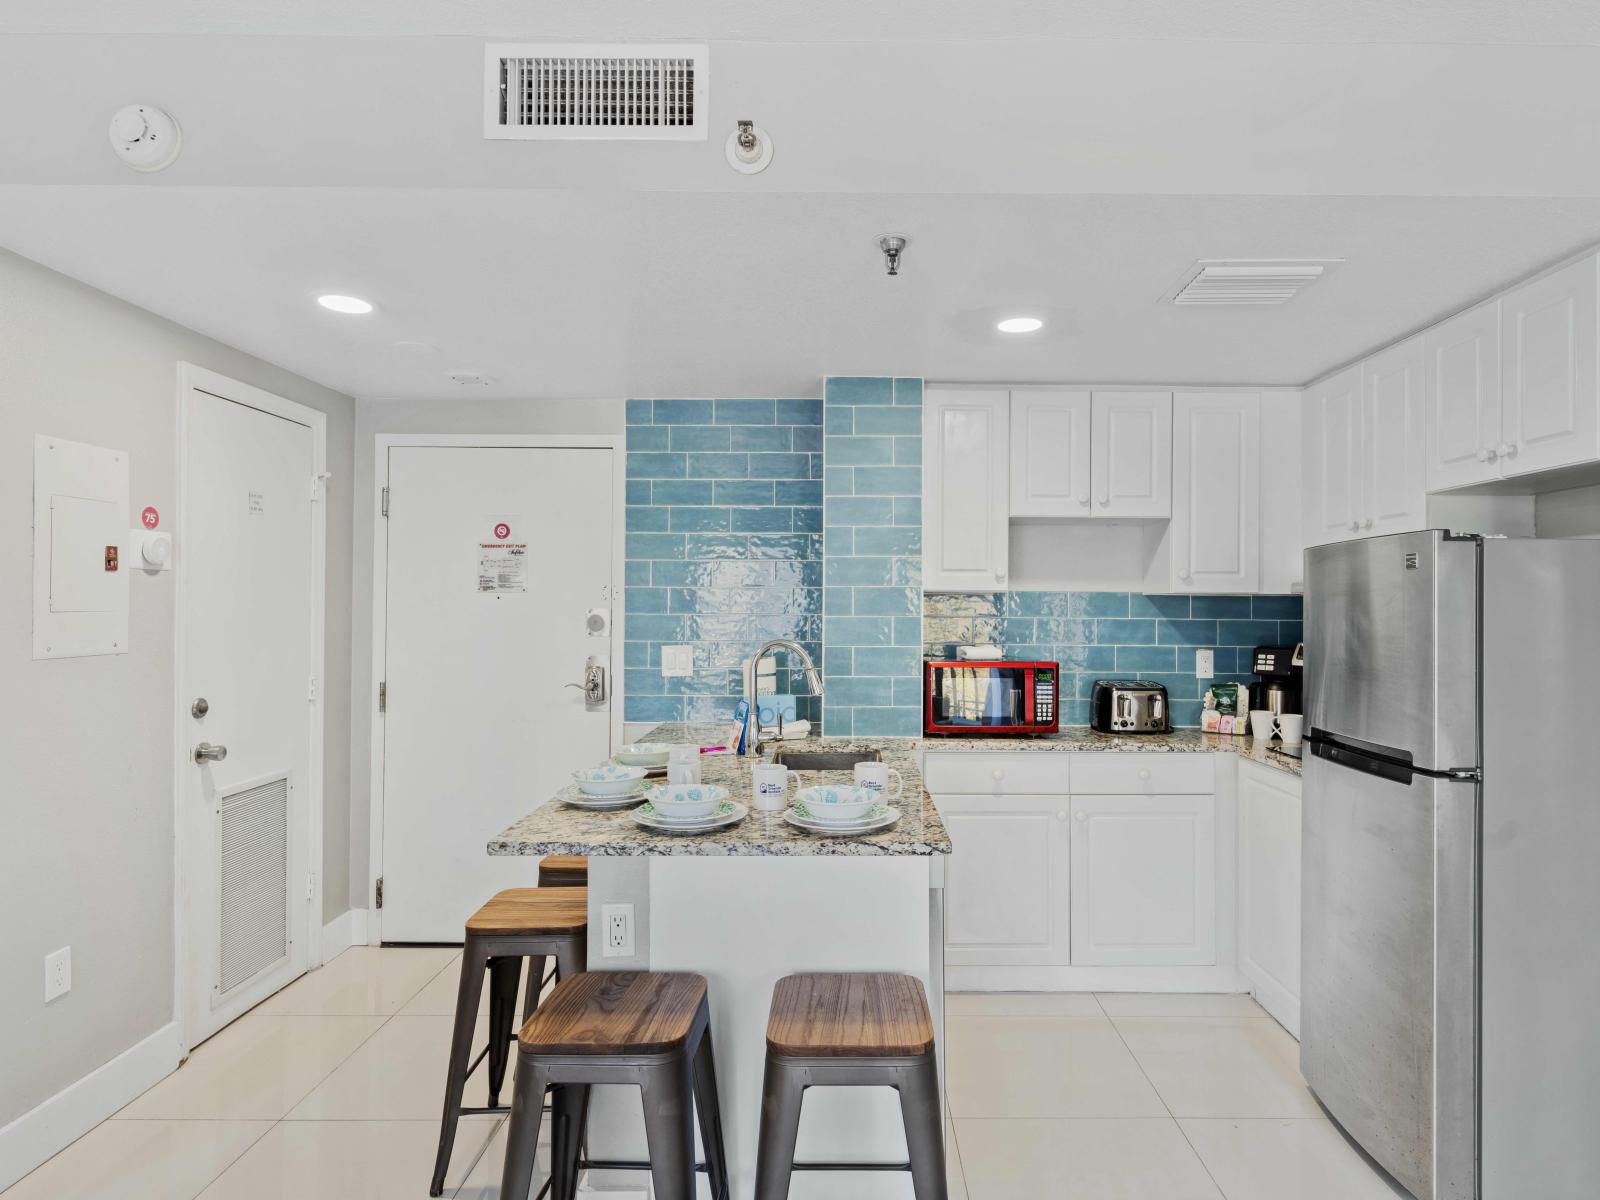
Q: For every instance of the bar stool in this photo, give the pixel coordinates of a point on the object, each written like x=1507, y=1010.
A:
x=869, y=1030
x=646, y=1028
x=518, y=923
x=564, y=870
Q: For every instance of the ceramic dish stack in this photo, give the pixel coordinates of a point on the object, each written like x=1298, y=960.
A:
x=608, y=786
x=688, y=808
x=652, y=756
x=842, y=810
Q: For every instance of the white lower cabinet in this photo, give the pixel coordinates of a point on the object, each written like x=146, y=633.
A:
x=1143, y=880
x=1269, y=890
x=1006, y=887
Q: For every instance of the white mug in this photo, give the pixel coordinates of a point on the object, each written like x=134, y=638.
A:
x=1291, y=728
x=683, y=772
x=875, y=776
x=769, y=786
x=681, y=755
x=1261, y=722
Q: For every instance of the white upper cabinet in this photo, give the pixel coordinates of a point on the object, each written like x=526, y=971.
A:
x=1333, y=471
x=1394, y=492
x=965, y=489
x=1050, y=454
x=1131, y=463
x=1548, y=335
x=1462, y=364
x=1282, y=482
x=1216, y=492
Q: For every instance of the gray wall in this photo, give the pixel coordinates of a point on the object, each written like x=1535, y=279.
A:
x=86, y=773
x=453, y=416
x=1572, y=513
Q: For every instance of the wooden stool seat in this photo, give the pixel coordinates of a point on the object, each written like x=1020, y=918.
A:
x=533, y=912
x=616, y=1012
x=849, y=1016
x=563, y=870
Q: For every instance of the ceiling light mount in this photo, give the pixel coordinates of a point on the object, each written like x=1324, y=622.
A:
x=352, y=306
x=1016, y=325
x=892, y=245
x=749, y=148
x=145, y=137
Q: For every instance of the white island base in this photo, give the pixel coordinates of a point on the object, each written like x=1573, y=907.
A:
x=744, y=923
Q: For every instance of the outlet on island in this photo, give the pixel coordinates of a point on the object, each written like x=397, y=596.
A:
x=616, y=925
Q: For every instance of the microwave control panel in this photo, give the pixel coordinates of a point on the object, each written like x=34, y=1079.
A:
x=1044, y=696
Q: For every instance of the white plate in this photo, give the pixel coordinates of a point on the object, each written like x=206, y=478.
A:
x=881, y=817
x=731, y=813
x=643, y=754
x=603, y=803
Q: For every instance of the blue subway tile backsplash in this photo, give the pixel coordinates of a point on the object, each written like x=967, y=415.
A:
x=724, y=548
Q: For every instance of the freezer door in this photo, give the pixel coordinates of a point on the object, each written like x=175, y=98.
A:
x=1388, y=995
x=1391, y=629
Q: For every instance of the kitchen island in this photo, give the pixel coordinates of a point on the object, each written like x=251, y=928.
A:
x=746, y=906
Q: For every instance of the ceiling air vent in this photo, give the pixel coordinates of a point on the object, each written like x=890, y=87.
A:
x=1248, y=280
x=569, y=92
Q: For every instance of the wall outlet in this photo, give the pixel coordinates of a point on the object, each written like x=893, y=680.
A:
x=616, y=924
x=1205, y=664
x=57, y=973
x=677, y=661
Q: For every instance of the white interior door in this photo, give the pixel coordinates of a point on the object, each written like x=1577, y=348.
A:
x=496, y=556
x=250, y=619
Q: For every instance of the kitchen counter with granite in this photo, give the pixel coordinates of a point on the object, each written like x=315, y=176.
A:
x=1081, y=739
x=556, y=828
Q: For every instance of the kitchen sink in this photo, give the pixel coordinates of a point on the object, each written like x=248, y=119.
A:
x=824, y=760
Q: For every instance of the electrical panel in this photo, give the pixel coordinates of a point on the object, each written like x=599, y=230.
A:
x=80, y=530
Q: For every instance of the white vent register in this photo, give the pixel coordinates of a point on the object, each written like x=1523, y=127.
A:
x=565, y=91
x=1248, y=280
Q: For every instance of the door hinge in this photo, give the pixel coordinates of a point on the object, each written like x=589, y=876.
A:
x=311, y=884
x=386, y=502
x=383, y=697
x=316, y=485
x=311, y=691
x=380, y=892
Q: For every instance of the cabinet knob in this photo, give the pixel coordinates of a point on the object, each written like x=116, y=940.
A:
x=1487, y=455
x=999, y=572
x=1184, y=574
x=1062, y=815
x=1355, y=526
x=1084, y=499
x=1144, y=772
x=1081, y=816
x=1367, y=524
x=1105, y=500
x=1506, y=450
x=999, y=774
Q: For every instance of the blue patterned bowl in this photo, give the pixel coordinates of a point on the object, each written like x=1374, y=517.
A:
x=681, y=801
x=609, y=779
x=838, y=802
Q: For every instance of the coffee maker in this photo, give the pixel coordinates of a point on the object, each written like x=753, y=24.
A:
x=1279, y=671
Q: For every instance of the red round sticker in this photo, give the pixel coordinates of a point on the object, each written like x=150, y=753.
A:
x=501, y=531
x=150, y=518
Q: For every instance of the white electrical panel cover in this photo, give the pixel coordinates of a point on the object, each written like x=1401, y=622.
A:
x=80, y=524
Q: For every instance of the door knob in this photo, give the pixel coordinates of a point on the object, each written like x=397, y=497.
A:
x=593, y=685
x=205, y=752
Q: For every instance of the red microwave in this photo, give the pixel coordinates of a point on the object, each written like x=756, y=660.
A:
x=975, y=698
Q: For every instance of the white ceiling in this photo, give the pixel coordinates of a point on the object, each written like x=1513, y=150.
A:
x=1066, y=159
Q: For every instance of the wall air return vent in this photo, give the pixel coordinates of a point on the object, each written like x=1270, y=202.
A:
x=563, y=91
x=1215, y=281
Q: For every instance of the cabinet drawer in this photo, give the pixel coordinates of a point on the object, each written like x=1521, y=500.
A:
x=952, y=773
x=1117, y=774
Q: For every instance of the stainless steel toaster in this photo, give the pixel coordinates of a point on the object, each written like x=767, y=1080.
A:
x=1130, y=706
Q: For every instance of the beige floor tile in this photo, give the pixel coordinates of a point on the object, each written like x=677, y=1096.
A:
x=398, y=1075
x=1221, y=1066
x=138, y=1160
x=364, y=979
x=259, y=1067
x=1179, y=1004
x=1044, y=1067
x=484, y=1181
x=1022, y=1004
x=1082, y=1160
x=1274, y=1160
x=350, y=1160
x=954, y=1171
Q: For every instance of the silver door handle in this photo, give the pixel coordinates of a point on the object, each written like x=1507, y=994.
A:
x=593, y=686
x=205, y=752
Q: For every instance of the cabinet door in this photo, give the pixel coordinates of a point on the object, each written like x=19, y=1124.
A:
x=1050, y=454
x=1143, y=880
x=1006, y=893
x=1332, y=456
x=964, y=490
x=1462, y=358
x=1548, y=334
x=1131, y=465
x=1269, y=889
x=1282, y=488
x=1216, y=491
x=1393, y=445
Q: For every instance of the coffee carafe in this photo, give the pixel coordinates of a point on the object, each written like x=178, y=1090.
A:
x=1279, y=673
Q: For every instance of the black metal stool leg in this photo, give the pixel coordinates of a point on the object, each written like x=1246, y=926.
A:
x=710, y=1109
x=522, y=1129
x=467, y=994
x=530, y=996
x=781, y=1097
x=669, y=1127
x=919, y=1107
x=504, y=976
x=570, y=1114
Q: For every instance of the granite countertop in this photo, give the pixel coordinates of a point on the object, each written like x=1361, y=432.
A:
x=1081, y=739
x=556, y=828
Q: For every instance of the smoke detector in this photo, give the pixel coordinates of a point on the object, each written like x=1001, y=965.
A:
x=469, y=378
x=145, y=137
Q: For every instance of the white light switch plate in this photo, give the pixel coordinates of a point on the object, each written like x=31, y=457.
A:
x=1205, y=664
x=677, y=661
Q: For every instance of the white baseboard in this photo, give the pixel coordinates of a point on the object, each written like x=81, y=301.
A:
x=1041, y=978
x=39, y=1134
x=348, y=929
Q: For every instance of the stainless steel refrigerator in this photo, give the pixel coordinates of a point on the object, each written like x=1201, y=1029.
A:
x=1450, y=1006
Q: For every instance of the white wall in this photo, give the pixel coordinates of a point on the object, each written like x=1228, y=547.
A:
x=454, y=416
x=1572, y=513
x=86, y=773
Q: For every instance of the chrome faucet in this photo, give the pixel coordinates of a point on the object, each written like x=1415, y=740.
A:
x=752, y=739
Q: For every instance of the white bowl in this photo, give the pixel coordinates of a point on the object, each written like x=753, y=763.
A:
x=838, y=802
x=683, y=801
x=643, y=754
x=608, y=779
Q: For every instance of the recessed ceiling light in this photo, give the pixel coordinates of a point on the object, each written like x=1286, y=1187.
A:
x=1020, y=325
x=345, y=304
